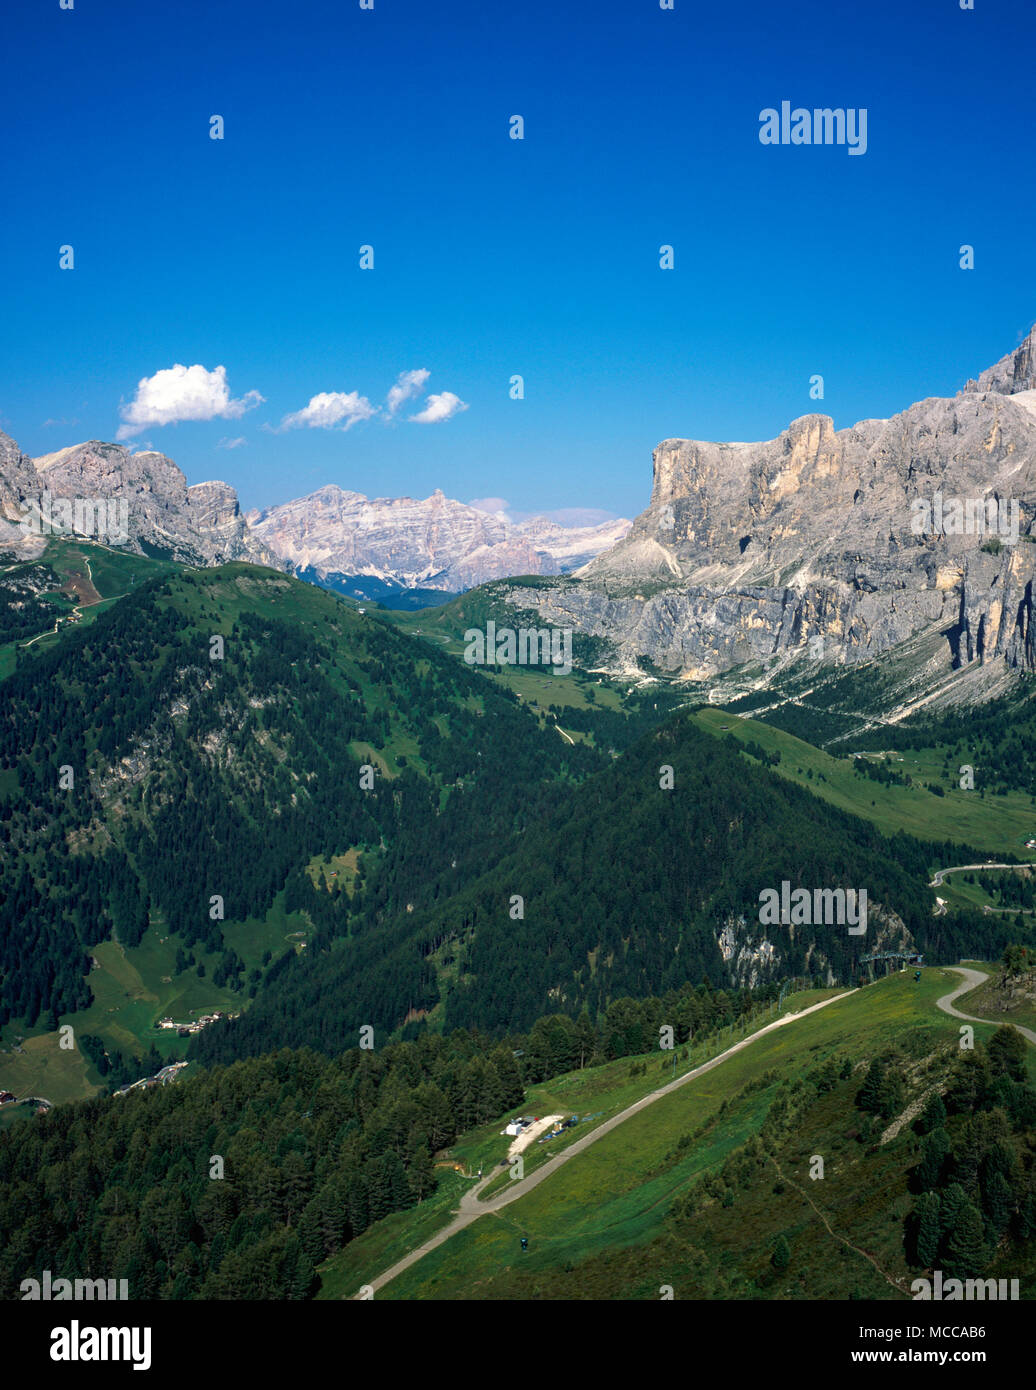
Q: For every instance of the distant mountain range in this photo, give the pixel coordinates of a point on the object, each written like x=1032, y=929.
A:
x=405, y=543
x=367, y=547
x=841, y=543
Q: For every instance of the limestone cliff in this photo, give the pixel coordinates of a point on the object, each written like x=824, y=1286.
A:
x=748, y=551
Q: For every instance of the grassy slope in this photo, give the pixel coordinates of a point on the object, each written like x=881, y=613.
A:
x=597, y=1227
x=998, y=824
x=113, y=572
x=539, y=689
x=594, y=1093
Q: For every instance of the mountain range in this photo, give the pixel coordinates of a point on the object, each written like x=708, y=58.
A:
x=434, y=543
x=197, y=525
x=367, y=547
x=843, y=544
x=749, y=551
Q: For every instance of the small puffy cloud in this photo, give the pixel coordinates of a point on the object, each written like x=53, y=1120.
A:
x=182, y=393
x=232, y=443
x=492, y=505
x=51, y=424
x=328, y=409
x=439, y=408
x=407, y=385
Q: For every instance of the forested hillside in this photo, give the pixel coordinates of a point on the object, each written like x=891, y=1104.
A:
x=999, y=738
x=142, y=779
x=237, y=1182
x=624, y=887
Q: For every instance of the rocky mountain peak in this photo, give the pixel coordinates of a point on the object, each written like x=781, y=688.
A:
x=865, y=537
x=200, y=525
x=434, y=543
x=1015, y=372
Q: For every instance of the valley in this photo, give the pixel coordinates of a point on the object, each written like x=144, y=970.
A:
x=323, y=886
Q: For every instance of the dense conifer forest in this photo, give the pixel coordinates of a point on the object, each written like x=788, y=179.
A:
x=238, y=1182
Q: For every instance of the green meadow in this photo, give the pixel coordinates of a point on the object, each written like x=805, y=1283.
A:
x=605, y=1212
x=995, y=824
x=133, y=988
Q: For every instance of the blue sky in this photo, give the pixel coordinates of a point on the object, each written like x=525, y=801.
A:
x=495, y=257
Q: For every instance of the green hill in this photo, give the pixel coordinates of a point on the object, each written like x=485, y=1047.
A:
x=170, y=773
x=696, y=1191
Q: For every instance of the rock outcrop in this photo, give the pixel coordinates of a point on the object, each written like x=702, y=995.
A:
x=1013, y=373
x=153, y=510
x=854, y=536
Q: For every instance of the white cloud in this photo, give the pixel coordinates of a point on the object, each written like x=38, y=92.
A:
x=330, y=408
x=232, y=443
x=407, y=385
x=492, y=505
x=439, y=408
x=182, y=393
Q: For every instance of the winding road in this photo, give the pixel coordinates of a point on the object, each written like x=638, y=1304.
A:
x=941, y=873
x=471, y=1208
x=972, y=979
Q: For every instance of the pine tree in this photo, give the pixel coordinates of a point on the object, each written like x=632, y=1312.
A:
x=966, y=1254
x=890, y=1093
x=1006, y=1052
x=781, y=1257
x=998, y=1201
x=869, y=1096
x=953, y=1199
x=928, y=1231
x=586, y=1038
x=304, y=1280
x=933, y=1116
x=934, y=1151
x=420, y=1169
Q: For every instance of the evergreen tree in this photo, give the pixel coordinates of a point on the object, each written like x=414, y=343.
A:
x=890, y=1093
x=998, y=1201
x=928, y=1229
x=869, y=1096
x=304, y=1281
x=934, y=1152
x=933, y=1116
x=1006, y=1052
x=953, y=1198
x=965, y=1253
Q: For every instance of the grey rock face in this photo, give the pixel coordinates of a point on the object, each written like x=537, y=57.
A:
x=434, y=543
x=18, y=481
x=1013, y=373
x=214, y=510
x=201, y=525
x=749, y=550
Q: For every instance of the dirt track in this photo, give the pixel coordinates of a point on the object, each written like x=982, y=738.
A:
x=471, y=1208
x=972, y=979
